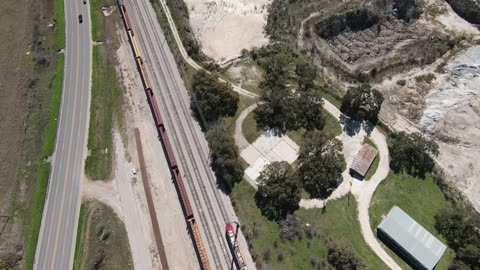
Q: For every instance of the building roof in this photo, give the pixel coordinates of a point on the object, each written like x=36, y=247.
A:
x=412, y=238
x=364, y=159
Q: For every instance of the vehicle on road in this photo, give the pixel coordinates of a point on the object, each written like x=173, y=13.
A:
x=80, y=18
x=232, y=242
x=84, y=2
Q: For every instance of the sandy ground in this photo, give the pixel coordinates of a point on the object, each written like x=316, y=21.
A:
x=125, y=193
x=225, y=27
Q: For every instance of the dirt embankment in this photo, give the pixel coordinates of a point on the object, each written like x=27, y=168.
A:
x=27, y=67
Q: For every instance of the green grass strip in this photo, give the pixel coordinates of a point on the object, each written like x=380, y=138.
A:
x=49, y=142
x=33, y=227
x=60, y=17
x=81, y=237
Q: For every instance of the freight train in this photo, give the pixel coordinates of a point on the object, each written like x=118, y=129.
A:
x=167, y=147
x=235, y=248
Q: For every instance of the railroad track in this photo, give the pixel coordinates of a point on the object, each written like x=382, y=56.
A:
x=187, y=146
x=189, y=157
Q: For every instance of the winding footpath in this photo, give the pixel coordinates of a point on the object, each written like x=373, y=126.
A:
x=362, y=190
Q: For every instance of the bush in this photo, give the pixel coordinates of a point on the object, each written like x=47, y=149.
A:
x=291, y=228
x=341, y=256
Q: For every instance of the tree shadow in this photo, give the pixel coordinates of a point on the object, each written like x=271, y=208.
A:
x=352, y=127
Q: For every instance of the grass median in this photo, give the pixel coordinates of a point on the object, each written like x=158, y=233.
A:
x=105, y=106
x=60, y=17
x=106, y=96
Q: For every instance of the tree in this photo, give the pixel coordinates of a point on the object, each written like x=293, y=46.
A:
x=224, y=156
x=212, y=99
x=309, y=114
x=321, y=164
x=277, y=104
x=458, y=227
x=278, y=191
x=342, y=257
x=362, y=103
x=412, y=153
x=306, y=75
x=470, y=255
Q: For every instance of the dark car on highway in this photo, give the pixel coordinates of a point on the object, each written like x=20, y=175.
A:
x=80, y=18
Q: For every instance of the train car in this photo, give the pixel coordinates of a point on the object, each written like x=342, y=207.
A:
x=234, y=247
x=183, y=195
x=136, y=50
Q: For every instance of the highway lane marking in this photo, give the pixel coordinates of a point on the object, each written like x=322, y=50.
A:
x=57, y=231
x=55, y=187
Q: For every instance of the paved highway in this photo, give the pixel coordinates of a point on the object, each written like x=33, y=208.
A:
x=212, y=208
x=56, y=243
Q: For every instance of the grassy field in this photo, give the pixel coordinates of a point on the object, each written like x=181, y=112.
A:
x=338, y=221
x=422, y=199
x=374, y=166
x=102, y=241
x=98, y=20
x=106, y=96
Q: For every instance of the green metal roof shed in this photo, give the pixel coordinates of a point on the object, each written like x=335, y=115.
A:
x=410, y=240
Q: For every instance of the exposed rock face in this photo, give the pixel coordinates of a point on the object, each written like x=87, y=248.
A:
x=467, y=9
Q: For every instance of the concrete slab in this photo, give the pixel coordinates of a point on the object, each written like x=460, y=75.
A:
x=266, y=149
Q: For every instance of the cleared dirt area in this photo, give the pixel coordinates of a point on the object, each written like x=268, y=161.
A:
x=225, y=27
x=126, y=194
x=27, y=68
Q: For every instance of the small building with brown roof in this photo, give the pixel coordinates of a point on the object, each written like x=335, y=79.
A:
x=363, y=160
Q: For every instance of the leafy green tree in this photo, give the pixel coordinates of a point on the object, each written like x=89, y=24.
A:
x=212, y=99
x=309, y=114
x=470, y=255
x=458, y=265
x=458, y=228
x=224, y=156
x=306, y=75
x=278, y=191
x=362, y=103
x=277, y=105
x=342, y=256
x=412, y=153
x=321, y=165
